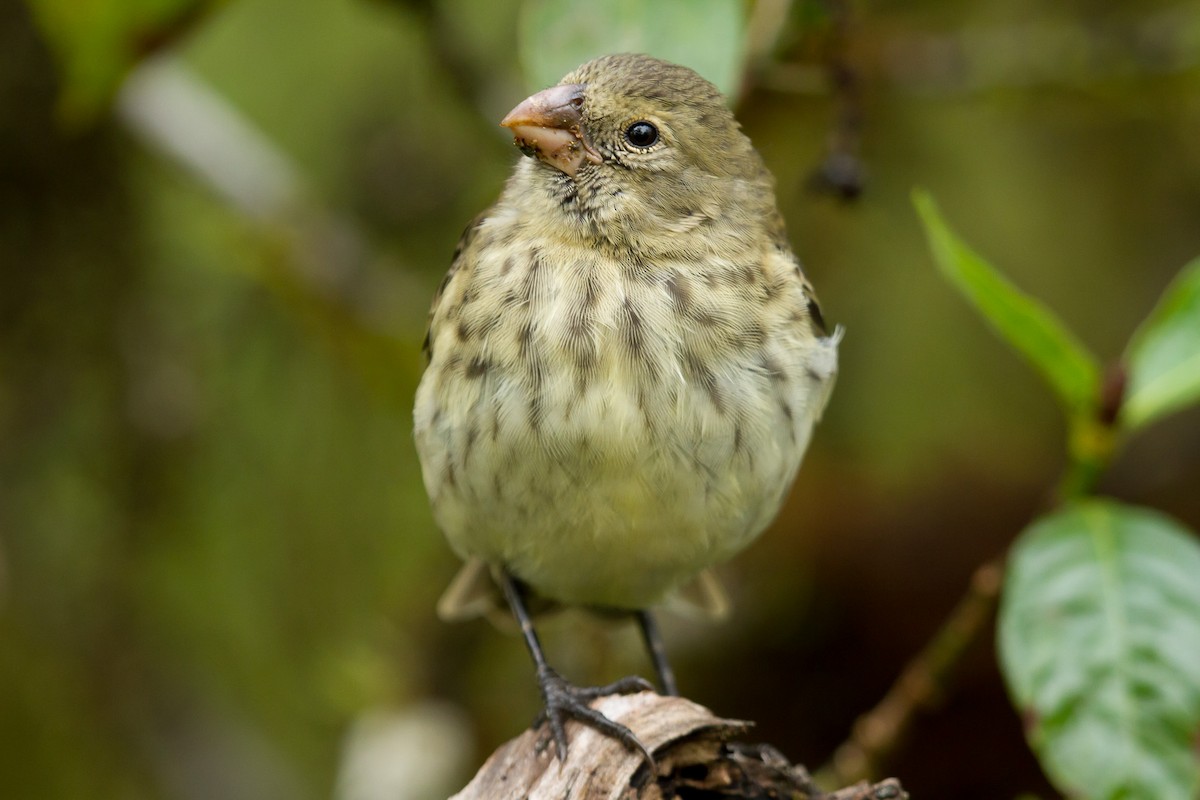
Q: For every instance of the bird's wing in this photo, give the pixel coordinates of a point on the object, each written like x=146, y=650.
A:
x=814, y=305
x=777, y=232
x=462, y=254
x=472, y=593
x=703, y=596
x=823, y=357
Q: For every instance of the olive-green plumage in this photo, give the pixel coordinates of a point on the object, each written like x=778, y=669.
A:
x=625, y=360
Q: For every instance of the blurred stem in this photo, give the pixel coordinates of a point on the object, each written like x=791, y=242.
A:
x=1093, y=437
x=1092, y=443
x=767, y=21
x=841, y=173
x=1091, y=448
x=471, y=83
x=318, y=259
x=921, y=685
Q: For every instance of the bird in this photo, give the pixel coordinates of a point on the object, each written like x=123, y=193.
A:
x=624, y=366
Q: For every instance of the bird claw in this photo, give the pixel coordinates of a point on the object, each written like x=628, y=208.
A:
x=631, y=684
x=565, y=700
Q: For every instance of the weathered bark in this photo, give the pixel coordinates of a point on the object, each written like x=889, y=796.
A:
x=696, y=754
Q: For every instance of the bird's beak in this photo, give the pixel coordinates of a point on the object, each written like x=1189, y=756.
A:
x=549, y=125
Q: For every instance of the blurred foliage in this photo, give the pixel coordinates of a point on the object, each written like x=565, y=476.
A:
x=98, y=41
x=1100, y=626
x=1027, y=325
x=558, y=35
x=215, y=554
x=1099, y=635
x=1164, y=356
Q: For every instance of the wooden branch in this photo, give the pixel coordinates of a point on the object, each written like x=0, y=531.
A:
x=695, y=753
x=922, y=683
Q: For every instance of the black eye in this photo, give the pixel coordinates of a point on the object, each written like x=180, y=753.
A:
x=641, y=134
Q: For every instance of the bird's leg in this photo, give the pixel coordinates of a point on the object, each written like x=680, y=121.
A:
x=564, y=699
x=658, y=653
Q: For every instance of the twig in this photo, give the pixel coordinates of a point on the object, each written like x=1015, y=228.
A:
x=841, y=172
x=919, y=686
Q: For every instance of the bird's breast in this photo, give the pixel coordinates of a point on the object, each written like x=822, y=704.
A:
x=652, y=415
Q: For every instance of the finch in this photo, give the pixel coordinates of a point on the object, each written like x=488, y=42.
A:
x=625, y=363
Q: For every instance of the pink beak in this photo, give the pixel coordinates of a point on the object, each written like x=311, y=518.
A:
x=549, y=125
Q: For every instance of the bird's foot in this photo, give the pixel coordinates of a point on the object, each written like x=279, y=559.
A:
x=565, y=700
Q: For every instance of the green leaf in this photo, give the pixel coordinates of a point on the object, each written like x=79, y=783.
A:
x=96, y=42
x=556, y=36
x=1164, y=354
x=1099, y=639
x=1021, y=320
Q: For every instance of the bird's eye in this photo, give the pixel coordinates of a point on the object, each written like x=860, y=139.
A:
x=641, y=134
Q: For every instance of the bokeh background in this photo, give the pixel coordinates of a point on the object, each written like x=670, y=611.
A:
x=217, y=565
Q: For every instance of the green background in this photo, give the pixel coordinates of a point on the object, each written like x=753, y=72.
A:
x=217, y=566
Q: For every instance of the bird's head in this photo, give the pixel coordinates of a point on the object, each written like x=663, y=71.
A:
x=630, y=146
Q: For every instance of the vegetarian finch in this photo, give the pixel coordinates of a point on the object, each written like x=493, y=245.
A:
x=625, y=361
